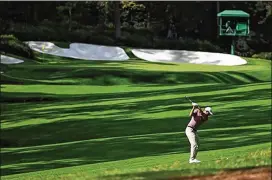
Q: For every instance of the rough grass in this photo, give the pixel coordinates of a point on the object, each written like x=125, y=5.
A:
x=60, y=121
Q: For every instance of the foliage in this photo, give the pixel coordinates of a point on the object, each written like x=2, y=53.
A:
x=263, y=55
x=135, y=40
x=264, y=6
x=67, y=7
x=131, y=37
x=187, y=44
x=133, y=13
x=10, y=44
x=151, y=20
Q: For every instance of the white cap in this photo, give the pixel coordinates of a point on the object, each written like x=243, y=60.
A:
x=209, y=109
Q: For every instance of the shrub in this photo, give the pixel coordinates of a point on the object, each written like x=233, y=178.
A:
x=167, y=44
x=208, y=46
x=140, y=38
x=135, y=40
x=45, y=33
x=263, y=55
x=187, y=44
x=140, y=31
x=100, y=39
x=47, y=23
x=10, y=44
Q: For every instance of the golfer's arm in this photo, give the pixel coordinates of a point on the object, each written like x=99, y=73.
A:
x=191, y=112
x=201, y=111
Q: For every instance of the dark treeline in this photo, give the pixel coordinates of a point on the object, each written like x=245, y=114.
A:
x=141, y=24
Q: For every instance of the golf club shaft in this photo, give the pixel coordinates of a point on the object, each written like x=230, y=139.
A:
x=188, y=99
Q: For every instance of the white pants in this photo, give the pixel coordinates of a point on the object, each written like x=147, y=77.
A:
x=194, y=141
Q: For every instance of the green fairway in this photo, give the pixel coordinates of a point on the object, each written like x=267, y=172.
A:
x=72, y=119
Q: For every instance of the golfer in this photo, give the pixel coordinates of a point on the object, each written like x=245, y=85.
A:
x=198, y=116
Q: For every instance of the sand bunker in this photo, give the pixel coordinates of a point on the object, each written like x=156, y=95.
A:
x=97, y=52
x=80, y=51
x=182, y=56
x=10, y=60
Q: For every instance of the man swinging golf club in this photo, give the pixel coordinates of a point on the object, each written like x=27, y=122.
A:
x=198, y=116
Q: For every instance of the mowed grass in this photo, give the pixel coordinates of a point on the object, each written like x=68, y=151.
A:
x=69, y=119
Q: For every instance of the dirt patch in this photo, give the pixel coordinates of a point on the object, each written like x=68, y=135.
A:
x=263, y=173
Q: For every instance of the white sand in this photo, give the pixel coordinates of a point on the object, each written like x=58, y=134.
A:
x=80, y=51
x=96, y=52
x=9, y=60
x=182, y=56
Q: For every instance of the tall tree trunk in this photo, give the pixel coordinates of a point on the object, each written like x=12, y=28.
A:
x=70, y=19
x=148, y=20
x=148, y=23
x=117, y=20
x=35, y=12
x=217, y=11
x=106, y=13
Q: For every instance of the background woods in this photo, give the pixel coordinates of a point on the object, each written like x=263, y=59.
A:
x=172, y=25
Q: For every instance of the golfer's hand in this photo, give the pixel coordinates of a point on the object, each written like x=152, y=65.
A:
x=195, y=105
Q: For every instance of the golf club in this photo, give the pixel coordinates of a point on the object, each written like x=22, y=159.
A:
x=188, y=99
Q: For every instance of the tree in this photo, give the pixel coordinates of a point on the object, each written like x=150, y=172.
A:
x=68, y=7
x=217, y=11
x=264, y=6
x=133, y=12
x=104, y=8
x=117, y=19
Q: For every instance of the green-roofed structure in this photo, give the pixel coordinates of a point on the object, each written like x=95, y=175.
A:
x=233, y=13
x=233, y=23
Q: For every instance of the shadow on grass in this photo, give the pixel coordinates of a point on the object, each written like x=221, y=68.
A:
x=123, y=114
x=16, y=97
x=125, y=134
x=191, y=174
x=125, y=110
x=116, y=75
x=119, y=148
x=122, y=134
x=159, y=175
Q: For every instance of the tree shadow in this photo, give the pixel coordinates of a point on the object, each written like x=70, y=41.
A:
x=55, y=101
x=113, y=74
x=62, y=139
x=92, y=97
x=159, y=175
x=124, y=147
x=185, y=174
x=123, y=135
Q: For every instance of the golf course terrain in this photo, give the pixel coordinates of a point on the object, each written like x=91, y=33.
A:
x=63, y=118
